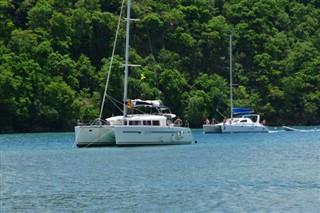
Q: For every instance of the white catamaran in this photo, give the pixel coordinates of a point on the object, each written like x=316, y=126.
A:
x=129, y=128
x=241, y=119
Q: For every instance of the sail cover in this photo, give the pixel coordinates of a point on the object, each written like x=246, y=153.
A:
x=147, y=103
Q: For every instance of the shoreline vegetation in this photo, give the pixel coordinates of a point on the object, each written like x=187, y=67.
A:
x=54, y=59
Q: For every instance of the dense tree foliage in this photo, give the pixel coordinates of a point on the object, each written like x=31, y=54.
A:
x=55, y=57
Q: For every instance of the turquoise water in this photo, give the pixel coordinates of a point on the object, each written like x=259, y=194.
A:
x=260, y=172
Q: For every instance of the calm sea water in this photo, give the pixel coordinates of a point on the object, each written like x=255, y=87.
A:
x=267, y=172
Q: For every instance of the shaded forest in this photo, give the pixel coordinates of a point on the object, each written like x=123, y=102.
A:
x=55, y=56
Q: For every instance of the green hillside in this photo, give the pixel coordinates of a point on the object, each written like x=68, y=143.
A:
x=55, y=56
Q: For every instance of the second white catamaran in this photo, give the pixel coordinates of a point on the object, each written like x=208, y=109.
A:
x=241, y=119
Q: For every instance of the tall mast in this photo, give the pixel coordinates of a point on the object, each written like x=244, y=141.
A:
x=231, y=104
x=125, y=91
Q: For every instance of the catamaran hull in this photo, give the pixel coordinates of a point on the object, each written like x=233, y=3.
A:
x=212, y=128
x=90, y=136
x=135, y=136
x=243, y=129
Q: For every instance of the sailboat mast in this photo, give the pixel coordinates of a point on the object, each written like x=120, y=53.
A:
x=231, y=83
x=125, y=91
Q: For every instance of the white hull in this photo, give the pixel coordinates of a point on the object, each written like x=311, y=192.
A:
x=236, y=125
x=94, y=135
x=238, y=128
x=152, y=135
x=208, y=128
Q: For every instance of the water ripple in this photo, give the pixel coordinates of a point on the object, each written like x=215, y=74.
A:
x=277, y=172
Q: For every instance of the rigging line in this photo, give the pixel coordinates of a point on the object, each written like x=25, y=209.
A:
x=154, y=59
x=97, y=140
x=149, y=39
x=75, y=141
x=221, y=114
x=114, y=100
x=111, y=61
x=114, y=104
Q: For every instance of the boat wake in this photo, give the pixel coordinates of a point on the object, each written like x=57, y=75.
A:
x=291, y=129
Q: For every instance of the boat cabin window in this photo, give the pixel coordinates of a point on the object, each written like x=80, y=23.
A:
x=156, y=123
x=134, y=123
x=243, y=121
x=147, y=123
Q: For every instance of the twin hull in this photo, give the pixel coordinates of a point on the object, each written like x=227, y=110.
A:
x=106, y=135
x=243, y=128
x=212, y=128
x=234, y=128
x=151, y=135
x=94, y=135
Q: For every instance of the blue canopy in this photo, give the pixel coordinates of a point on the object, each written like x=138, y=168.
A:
x=239, y=111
